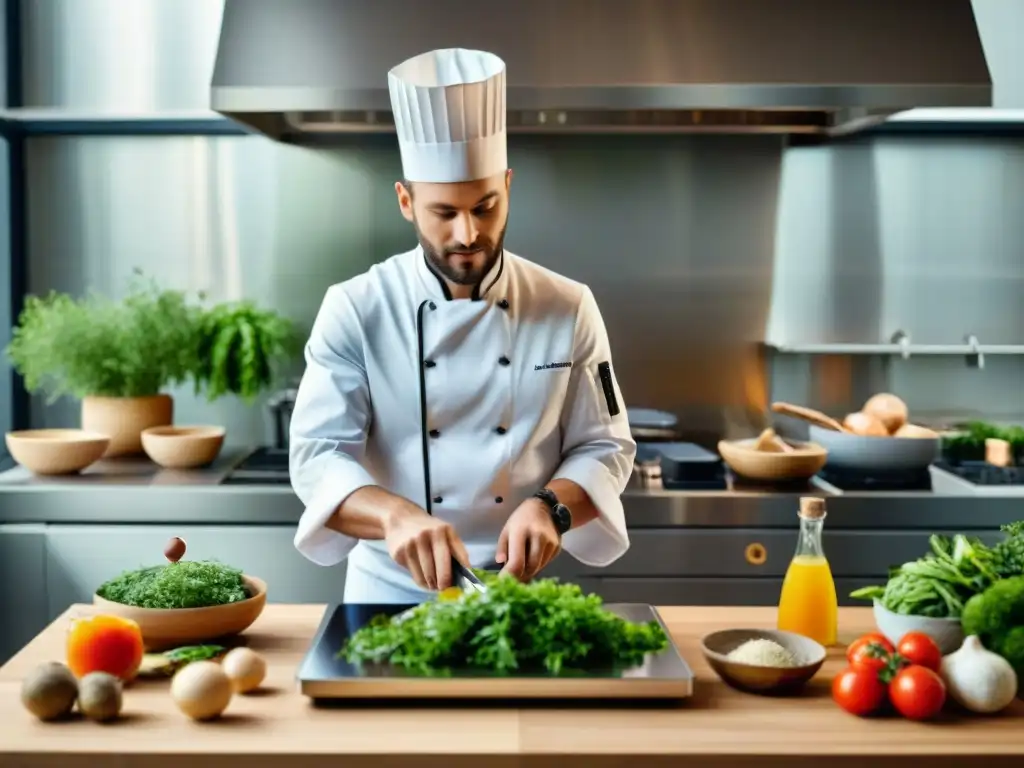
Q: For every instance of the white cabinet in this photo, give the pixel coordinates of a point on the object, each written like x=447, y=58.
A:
x=81, y=557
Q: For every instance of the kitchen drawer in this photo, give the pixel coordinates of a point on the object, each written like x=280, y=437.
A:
x=753, y=552
x=704, y=591
x=81, y=557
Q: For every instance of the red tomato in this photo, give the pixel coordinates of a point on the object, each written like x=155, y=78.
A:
x=858, y=691
x=870, y=656
x=917, y=648
x=917, y=692
x=872, y=638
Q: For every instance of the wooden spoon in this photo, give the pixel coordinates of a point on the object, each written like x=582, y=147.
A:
x=811, y=415
x=769, y=442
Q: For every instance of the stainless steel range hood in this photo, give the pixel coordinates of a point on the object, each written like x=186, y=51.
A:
x=291, y=68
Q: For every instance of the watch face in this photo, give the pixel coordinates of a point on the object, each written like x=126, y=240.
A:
x=563, y=518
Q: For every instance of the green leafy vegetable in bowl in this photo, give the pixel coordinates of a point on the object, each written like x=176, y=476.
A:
x=543, y=626
x=939, y=584
x=188, y=584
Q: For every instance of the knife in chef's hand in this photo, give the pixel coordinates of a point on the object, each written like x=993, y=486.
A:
x=465, y=579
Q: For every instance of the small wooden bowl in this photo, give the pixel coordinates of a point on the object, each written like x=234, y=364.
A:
x=803, y=462
x=56, y=451
x=183, y=447
x=753, y=678
x=164, y=628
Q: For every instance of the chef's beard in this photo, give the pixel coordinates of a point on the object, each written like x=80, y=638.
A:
x=445, y=260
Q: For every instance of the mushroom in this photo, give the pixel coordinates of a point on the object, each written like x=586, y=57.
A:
x=865, y=424
x=245, y=669
x=888, y=409
x=201, y=690
x=175, y=549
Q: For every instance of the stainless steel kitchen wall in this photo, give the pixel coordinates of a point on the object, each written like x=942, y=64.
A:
x=911, y=234
x=696, y=247
x=139, y=56
x=674, y=235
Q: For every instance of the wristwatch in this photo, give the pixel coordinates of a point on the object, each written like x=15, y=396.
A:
x=560, y=514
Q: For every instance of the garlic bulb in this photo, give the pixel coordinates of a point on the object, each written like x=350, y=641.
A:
x=977, y=679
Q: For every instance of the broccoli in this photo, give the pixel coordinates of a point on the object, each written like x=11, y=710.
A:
x=1008, y=555
x=997, y=617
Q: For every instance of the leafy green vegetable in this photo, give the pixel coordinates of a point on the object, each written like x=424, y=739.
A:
x=187, y=584
x=1008, y=555
x=540, y=626
x=939, y=584
x=189, y=653
x=969, y=443
x=147, y=341
x=167, y=663
x=997, y=617
x=239, y=346
x=97, y=346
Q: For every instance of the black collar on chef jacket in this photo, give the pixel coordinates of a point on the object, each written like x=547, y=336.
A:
x=489, y=279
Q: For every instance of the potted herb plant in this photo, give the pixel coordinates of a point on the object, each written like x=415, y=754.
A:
x=118, y=357
x=240, y=348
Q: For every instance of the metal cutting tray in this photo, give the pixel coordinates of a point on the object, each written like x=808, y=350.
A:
x=324, y=676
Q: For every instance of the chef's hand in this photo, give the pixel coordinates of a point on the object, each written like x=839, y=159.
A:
x=424, y=546
x=529, y=541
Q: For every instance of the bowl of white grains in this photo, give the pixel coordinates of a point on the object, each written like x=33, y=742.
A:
x=763, y=661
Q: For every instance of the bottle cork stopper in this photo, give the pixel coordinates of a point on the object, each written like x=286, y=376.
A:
x=812, y=507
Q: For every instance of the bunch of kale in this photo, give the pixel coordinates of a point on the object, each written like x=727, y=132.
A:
x=939, y=584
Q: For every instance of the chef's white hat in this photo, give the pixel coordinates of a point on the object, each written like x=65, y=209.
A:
x=449, y=108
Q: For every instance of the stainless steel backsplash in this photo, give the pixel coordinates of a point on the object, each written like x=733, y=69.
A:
x=673, y=234
x=698, y=248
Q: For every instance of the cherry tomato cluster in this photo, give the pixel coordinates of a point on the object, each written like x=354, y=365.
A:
x=905, y=676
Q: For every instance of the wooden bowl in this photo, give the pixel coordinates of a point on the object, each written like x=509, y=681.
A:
x=56, y=451
x=164, y=628
x=183, y=447
x=753, y=678
x=803, y=462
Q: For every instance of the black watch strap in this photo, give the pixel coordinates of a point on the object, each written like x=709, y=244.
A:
x=548, y=497
x=560, y=514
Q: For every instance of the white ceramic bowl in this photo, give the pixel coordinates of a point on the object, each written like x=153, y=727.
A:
x=947, y=633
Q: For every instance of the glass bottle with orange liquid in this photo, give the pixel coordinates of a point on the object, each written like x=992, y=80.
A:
x=808, y=604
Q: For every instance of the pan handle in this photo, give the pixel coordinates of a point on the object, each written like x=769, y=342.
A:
x=809, y=414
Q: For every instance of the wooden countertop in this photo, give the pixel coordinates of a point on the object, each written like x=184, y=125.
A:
x=718, y=726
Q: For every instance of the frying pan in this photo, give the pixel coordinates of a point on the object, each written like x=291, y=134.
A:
x=864, y=455
x=875, y=455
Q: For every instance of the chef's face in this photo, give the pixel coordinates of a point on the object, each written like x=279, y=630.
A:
x=460, y=226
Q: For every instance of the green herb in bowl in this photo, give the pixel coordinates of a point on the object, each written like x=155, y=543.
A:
x=188, y=584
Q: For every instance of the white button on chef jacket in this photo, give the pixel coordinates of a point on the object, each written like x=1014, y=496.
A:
x=466, y=407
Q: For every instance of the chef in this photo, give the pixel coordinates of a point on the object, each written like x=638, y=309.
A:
x=458, y=400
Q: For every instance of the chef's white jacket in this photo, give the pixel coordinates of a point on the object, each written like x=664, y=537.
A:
x=465, y=407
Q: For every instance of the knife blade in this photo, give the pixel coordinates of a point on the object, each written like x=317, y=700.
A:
x=465, y=579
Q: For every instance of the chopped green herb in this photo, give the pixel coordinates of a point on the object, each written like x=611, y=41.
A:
x=186, y=654
x=543, y=626
x=167, y=663
x=188, y=584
